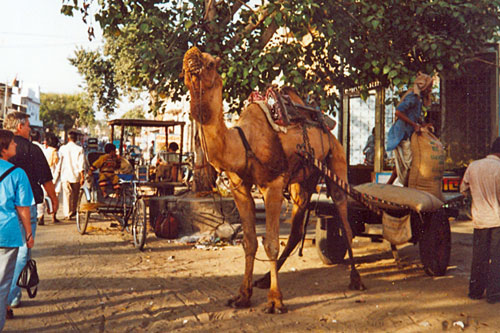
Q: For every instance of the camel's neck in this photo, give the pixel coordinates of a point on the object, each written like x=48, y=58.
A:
x=208, y=113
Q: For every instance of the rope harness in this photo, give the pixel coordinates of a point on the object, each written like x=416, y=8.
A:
x=365, y=199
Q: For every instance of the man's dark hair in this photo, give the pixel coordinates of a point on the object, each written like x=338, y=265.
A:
x=51, y=140
x=495, y=146
x=109, y=147
x=35, y=136
x=6, y=137
x=73, y=136
x=173, y=146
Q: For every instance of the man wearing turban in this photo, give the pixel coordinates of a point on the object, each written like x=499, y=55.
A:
x=408, y=118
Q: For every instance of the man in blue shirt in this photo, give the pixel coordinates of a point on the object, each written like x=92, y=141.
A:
x=31, y=159
x=16, y=198
x=408, y=118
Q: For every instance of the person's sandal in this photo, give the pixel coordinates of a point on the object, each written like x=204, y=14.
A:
x=9, y=314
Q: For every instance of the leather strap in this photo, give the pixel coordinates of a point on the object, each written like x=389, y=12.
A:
x=6, y=173
x=248, y=150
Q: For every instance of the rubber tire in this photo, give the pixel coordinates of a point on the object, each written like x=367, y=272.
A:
x=139, y=224
x=435, y=244
x=82, y=218
x=330, y=242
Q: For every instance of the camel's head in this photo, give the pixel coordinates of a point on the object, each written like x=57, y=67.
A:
x=200, y=70
x=204, y=84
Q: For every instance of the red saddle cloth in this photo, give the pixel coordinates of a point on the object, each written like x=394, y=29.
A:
x=274, y=103
x=284, y=111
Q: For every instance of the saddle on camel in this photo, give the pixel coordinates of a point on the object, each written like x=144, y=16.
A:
x=253, y=153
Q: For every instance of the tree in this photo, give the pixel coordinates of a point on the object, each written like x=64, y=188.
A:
x=99, y=77
x=136, y=112
x=318, y=47
x=68, y=110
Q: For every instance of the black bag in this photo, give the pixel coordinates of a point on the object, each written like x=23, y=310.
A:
x=29, y=278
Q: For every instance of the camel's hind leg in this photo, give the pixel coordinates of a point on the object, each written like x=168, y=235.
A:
x=301, y=195
x=337, y=163
x=246, y=208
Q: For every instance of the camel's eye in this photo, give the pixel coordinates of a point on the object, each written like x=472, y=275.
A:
x=210, y=65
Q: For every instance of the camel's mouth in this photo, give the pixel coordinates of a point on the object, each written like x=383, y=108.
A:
x=192, y=62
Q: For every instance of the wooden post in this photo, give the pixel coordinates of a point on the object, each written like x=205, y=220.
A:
x=166, y=138
x=180, y=151
x=378, y=165
x=122, y=136
x=346, y=122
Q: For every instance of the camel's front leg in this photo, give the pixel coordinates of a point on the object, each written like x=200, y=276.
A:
x=246, y=208
x=273, y=199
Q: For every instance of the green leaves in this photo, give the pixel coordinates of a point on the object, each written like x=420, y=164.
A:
x=67, y=110
x=320, y=46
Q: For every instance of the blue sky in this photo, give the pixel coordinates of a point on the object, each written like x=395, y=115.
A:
x=35, y=43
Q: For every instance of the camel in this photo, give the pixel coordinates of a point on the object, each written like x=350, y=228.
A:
x=269, y=160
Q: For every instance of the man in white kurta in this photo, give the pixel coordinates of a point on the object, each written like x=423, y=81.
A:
x=482, y=179
x=72, y=159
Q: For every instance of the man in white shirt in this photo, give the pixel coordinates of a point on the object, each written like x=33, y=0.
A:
x=72, y=160
x=482, y=179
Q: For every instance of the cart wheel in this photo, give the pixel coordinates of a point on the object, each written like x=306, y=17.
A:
x=139, y=224
x=435, y=244
x=82, y=216
x=330, y=242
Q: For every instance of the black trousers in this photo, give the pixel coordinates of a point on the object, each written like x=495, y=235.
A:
x=485, y=269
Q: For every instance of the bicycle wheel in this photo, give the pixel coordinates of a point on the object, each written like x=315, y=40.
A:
x=139, y=227
x=82, y=215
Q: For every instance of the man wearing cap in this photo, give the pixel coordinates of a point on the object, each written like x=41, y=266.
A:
x=482, y=180
x=408, y=119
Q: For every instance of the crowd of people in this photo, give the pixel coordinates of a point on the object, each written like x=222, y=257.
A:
x=30, y=173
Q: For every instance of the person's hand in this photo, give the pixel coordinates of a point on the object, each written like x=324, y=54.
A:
x=429, y=127
x=417, y=127
x=30, y=241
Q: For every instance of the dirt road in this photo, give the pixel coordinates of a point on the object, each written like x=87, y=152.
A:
x=100, y=283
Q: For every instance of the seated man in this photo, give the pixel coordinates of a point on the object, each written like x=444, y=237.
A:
x=107, y=164
x=166, y=170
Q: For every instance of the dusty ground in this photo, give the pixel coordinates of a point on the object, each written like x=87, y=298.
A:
x=100, y=283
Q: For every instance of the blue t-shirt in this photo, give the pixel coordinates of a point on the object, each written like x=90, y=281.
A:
x=411, y=106
x=15, y=191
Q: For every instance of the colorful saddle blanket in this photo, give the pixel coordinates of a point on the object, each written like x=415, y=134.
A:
x=282, y=112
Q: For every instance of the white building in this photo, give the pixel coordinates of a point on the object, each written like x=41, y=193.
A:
x=27, y=99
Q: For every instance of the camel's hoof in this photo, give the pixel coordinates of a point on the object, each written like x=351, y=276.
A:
x=356, y=283
x=238, y=302
x=273, y=308
x=357, y=286
x=264, y=282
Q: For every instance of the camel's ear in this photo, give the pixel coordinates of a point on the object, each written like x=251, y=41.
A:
x=217, y=62
x=181, y=74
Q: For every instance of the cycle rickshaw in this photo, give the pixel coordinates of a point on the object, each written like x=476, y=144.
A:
x=128, y=205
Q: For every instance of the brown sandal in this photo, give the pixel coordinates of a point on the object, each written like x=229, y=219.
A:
x=9, y=314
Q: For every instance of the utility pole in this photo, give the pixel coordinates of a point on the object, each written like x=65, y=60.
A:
x=6, y=90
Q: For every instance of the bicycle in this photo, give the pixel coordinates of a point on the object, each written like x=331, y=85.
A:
x=127, y=204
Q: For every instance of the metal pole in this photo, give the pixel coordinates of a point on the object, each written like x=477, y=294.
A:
x=6, y=90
